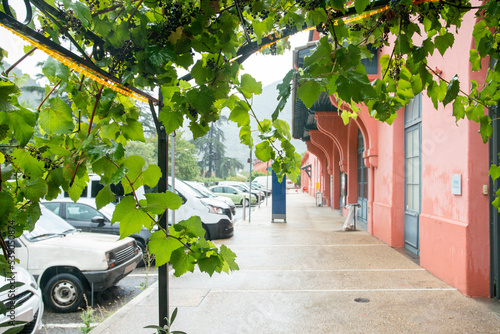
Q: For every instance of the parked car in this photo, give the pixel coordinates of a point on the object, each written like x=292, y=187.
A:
x=259, y=195
x=257, y=186
x=23, y=303
x=235, y=194
x=84, y=215
x=68, y=263
x=204, y=191
x=216, y=216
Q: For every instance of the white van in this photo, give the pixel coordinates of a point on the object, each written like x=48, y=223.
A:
x=93, y=187
x=216, y=216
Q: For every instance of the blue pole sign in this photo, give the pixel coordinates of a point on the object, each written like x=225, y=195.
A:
x=279, y=198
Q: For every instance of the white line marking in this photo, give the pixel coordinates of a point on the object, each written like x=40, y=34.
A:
x=326, y=270
x=331, y=290
x=69, y=325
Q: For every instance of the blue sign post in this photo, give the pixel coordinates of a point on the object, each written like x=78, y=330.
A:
x=279, y=198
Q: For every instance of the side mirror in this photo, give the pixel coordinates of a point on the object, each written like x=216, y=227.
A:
x=98, y=220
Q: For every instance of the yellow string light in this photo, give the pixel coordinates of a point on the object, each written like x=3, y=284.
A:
x=80, y=68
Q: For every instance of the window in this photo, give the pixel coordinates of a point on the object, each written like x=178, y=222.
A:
x=77, y=211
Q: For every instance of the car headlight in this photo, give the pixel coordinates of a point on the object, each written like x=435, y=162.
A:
x=111, y=259
x=33, y=283
x=213, y=209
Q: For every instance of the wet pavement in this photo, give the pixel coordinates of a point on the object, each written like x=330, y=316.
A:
x=309, y=276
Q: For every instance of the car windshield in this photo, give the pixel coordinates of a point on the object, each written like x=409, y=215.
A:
x=202, y=189
x=48, y=225
x=184, y=188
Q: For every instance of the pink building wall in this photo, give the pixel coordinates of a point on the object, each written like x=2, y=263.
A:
x=454, y=229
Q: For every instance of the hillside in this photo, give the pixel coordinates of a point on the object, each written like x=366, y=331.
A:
x=264, y=106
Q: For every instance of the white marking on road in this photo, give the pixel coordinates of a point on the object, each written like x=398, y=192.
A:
x=331, y=290
x=326, y=270
x=141, y=275
x=69, y=325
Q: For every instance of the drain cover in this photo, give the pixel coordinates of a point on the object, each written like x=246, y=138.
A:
x=362, y=300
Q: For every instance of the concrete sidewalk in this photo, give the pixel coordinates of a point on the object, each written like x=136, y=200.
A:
x=309, y=276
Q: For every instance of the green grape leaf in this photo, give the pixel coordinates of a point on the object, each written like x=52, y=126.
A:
x=494, y=172
x=192, y=227
x=162, y=247
x=58, y=119
x=181, y=262
x=452, y=90
x=239, y=114
x=210, y=264
x=131, y=218
x=263, y=151
x=486, y=130
x=250, y=86
x=133, y=130
x=229, y=257
x=309, y=92
x=157, y=203
x=172, y=120
x=104, y=197
x=444, y=42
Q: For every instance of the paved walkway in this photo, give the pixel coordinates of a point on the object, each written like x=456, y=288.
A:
x=309, y=276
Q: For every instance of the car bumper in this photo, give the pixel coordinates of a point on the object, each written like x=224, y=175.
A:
x=224, y=228
x=30, y=311
x=101, y=280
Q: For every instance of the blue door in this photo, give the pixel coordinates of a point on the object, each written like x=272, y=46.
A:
x=413, y=173
x=362, y=183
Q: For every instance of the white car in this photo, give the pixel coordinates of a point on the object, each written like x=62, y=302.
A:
x=23, y=303
x=68, y=263
x=83, y=215
x=207, y=193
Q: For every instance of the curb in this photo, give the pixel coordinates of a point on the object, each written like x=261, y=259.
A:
x=112, y=319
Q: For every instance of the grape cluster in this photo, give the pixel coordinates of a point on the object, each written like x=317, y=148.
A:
x=193, y=112
x=311, y=4
x=93, y=4
x=272, y=49
x=123, y=58
x=396, y=66
x=212, y=64
x=430, y=10
x=49, y=164
x=176, y=15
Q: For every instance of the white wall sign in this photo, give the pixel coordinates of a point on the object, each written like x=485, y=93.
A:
x=456, y=184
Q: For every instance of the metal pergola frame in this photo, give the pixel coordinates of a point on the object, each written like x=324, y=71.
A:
x=86, y=66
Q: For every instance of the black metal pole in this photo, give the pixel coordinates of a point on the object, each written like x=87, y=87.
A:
x=163, y=300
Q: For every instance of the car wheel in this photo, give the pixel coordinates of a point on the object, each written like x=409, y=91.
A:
x=64, y=293
x=245, y=201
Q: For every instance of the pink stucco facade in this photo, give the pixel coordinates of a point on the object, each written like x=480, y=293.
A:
x=453, y=229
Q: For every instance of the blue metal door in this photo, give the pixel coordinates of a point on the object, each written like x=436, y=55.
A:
x=413, y=174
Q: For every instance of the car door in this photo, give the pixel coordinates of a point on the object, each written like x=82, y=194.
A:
x=81, y=215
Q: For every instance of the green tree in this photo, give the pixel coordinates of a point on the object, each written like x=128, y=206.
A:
x=212, y=149
x=228, y=167
x=186, y=164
